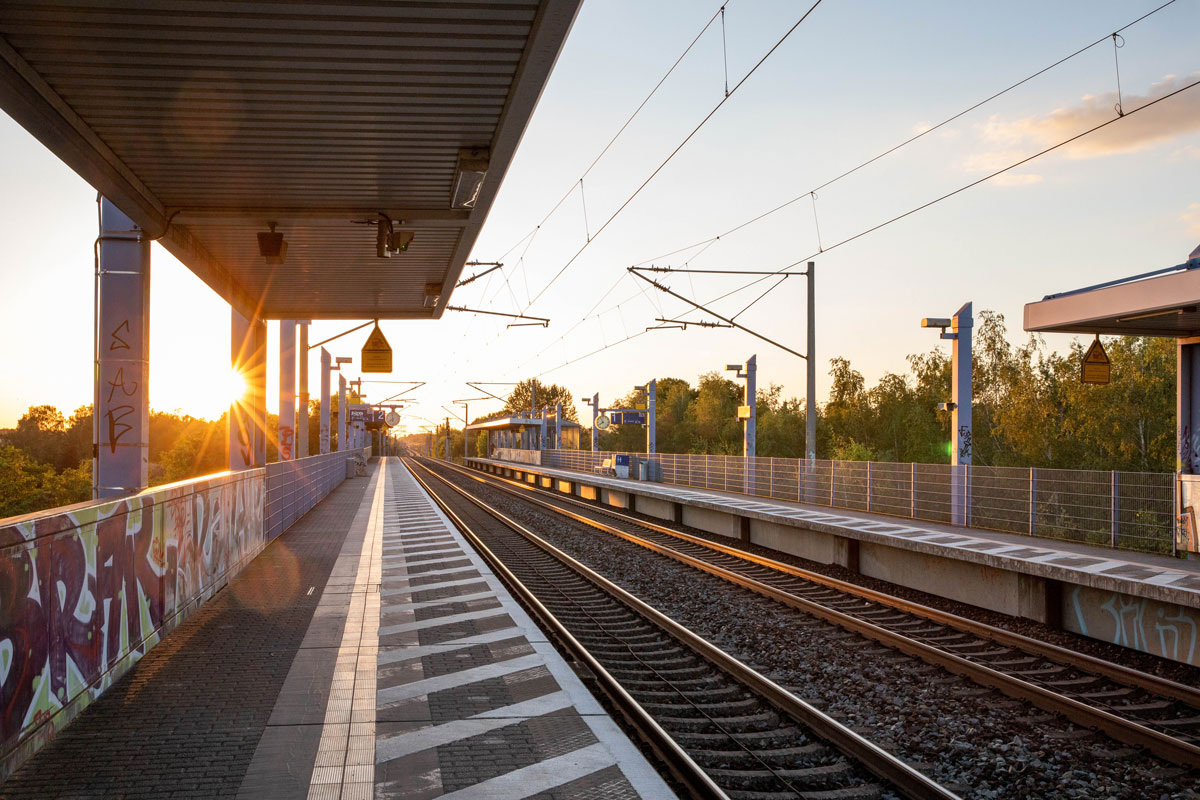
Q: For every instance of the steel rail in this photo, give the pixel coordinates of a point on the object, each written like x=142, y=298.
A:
x=676, y=759
x=1119, y=728
x=875, y=759
x=1061, y=655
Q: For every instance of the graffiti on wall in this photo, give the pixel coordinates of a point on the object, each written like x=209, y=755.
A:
x=84, y=594
x=1163, y=629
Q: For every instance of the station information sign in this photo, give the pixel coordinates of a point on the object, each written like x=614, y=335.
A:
x=376, y=353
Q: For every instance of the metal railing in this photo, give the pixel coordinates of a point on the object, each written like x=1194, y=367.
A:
x=294, y=487
x=1124, y=510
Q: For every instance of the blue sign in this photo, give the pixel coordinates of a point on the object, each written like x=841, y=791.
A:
x=627, y=417
x=622, y=460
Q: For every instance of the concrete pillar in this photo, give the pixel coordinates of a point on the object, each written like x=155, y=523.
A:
x=558, y=426
x=238, y=424
x=810, y=405
x=960, y=416
x=651, y=411
x=341, y=436
x=326, y=367
x=257, y=377
x=750, y=430
x=595, y=413
x=1187, y=407
x=302, y=411
x=121, y=422
x=287, y=389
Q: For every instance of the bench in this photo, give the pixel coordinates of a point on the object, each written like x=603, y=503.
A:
x=605, y=468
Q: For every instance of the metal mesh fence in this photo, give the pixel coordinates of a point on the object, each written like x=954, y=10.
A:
x=294, y=487
x=1126, y=510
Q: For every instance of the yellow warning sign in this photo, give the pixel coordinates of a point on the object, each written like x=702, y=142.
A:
x=376, y=353
x=1096, y=366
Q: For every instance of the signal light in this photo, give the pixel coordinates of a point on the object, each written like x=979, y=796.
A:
x=389, y=241
x=400, y=241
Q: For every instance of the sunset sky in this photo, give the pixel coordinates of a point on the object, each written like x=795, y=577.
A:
x=853, y=80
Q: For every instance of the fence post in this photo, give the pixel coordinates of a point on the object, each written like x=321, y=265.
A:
x=832, y=481
x=1175, y=487
x=771, y=480
x=869, y=476
x=1115, y=508
x=912, y=488
x=1033, y=501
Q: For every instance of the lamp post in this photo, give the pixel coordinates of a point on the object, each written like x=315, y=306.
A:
x=748, y=413
x=960, y=405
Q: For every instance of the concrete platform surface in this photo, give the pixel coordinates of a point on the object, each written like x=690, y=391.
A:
x=1143, y=601
x=368, y=652
x=1166, y=578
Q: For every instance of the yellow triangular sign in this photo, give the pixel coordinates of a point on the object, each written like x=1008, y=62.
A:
x=376, y=353
x=376, y=341
x=1096, y=367
x=1095, y=354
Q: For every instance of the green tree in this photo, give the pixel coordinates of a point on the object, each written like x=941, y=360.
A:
x=522, y=396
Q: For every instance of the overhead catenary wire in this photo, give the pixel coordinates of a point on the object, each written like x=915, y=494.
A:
x=921, y=134
x=988, y=177
x=705, y=244
x=673, y=153
x=881, y=225
x=621, y=130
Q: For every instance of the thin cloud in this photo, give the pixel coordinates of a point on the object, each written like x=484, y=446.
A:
x=1192, y=218
x=1173, y=118
x=1016, y=179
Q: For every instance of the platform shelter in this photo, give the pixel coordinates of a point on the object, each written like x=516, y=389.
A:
x=1163, y=302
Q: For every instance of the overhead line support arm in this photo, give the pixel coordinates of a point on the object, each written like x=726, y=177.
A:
x=696, y=305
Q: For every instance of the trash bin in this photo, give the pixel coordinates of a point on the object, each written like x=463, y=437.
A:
x=643, y=469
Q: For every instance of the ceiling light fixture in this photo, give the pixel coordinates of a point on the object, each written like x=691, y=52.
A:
x=468, y=176
x=433, y=293
x=271, y=246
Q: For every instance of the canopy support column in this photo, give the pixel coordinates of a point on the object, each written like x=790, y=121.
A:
x=287, y=389
x=326, y=366
x=241, y=424
x=302, y=412
x=1188, y=407
x=121, y=422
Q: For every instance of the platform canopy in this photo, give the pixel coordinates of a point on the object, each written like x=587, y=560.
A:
x=206, y=121
x=1164, y=302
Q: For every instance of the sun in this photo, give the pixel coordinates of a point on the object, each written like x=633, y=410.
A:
x=235, y=387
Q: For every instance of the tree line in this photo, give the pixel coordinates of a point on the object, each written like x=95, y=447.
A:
x=1030, y=409
x=46, y=460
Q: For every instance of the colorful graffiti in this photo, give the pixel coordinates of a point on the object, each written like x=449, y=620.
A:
x=1163, y=629
x=84, y=593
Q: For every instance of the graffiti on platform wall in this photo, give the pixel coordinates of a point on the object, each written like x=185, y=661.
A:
x=1163, y=629
x=84, y=594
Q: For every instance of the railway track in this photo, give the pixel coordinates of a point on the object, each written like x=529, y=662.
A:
x=1130, y=706
x=723, y=729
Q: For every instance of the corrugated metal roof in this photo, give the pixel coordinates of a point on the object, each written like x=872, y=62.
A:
x=223, y=116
